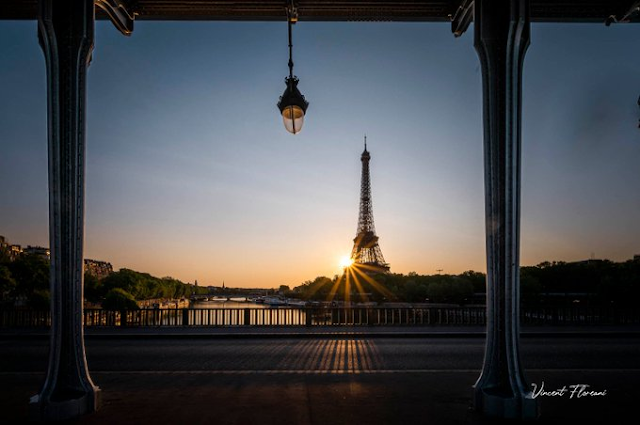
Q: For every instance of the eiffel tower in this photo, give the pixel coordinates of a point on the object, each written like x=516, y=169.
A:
x=366, y=252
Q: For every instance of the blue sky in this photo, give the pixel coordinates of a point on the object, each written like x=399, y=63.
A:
x=191, y=174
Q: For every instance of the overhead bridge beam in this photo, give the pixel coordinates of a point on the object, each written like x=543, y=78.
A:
x=332, y=10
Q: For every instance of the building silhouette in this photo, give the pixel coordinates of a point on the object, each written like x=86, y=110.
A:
x=99, y=269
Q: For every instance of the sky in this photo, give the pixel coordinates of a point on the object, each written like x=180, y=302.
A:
x=191, y=174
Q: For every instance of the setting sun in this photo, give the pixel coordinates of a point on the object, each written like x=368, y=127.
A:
x=345, y=262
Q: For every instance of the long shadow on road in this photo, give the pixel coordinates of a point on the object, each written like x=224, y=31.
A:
x=327, y=381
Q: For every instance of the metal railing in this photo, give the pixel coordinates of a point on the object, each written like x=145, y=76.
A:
x=323, y=316
x=580, y=316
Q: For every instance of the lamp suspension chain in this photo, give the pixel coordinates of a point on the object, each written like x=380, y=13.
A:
x=290, y=45
x=291, y=15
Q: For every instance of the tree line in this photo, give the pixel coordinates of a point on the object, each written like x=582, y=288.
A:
x=394, y=287
x=591, y=282
x=26, y=279
x=122, y=289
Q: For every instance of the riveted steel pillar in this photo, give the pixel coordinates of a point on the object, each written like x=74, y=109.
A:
x=66, y=30
x=501, y=40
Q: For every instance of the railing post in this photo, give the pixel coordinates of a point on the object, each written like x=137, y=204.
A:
x=309, y=316
x=247, y=317
x=123, y=318
x=185, y=317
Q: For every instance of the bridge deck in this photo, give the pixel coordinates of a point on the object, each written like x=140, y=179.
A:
x=340, y=381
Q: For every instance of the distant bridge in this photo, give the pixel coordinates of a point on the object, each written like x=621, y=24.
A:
x=221, y=298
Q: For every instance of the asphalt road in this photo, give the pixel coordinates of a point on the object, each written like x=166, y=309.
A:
x=324, y=381
x=324, y=355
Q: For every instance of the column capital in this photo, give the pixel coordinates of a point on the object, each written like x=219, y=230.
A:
x=120, y=12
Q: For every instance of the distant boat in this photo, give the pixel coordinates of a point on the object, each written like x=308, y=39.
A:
x=274, y=302
x=238, y=299
x=218, y=299
x=297, y=303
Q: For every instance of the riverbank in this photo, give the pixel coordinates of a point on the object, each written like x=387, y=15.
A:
x=164, y=303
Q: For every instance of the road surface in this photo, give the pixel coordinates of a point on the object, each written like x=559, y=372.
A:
x=323, y=380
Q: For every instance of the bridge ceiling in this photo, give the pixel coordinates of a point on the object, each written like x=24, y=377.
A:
x=337, y=10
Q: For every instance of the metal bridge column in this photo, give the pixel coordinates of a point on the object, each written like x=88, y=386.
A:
x=66, y=32
x=501, y=40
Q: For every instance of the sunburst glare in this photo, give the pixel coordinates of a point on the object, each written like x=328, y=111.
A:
x=345, y=262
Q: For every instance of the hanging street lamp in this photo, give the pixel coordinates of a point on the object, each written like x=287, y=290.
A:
x=292, y=104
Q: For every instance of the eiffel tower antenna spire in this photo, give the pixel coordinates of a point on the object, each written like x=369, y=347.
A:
x=366, y=251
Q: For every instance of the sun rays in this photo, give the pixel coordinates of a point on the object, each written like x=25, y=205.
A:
x=355, y=281
x=346, y=262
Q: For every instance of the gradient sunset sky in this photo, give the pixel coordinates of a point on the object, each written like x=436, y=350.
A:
x=191, y=174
